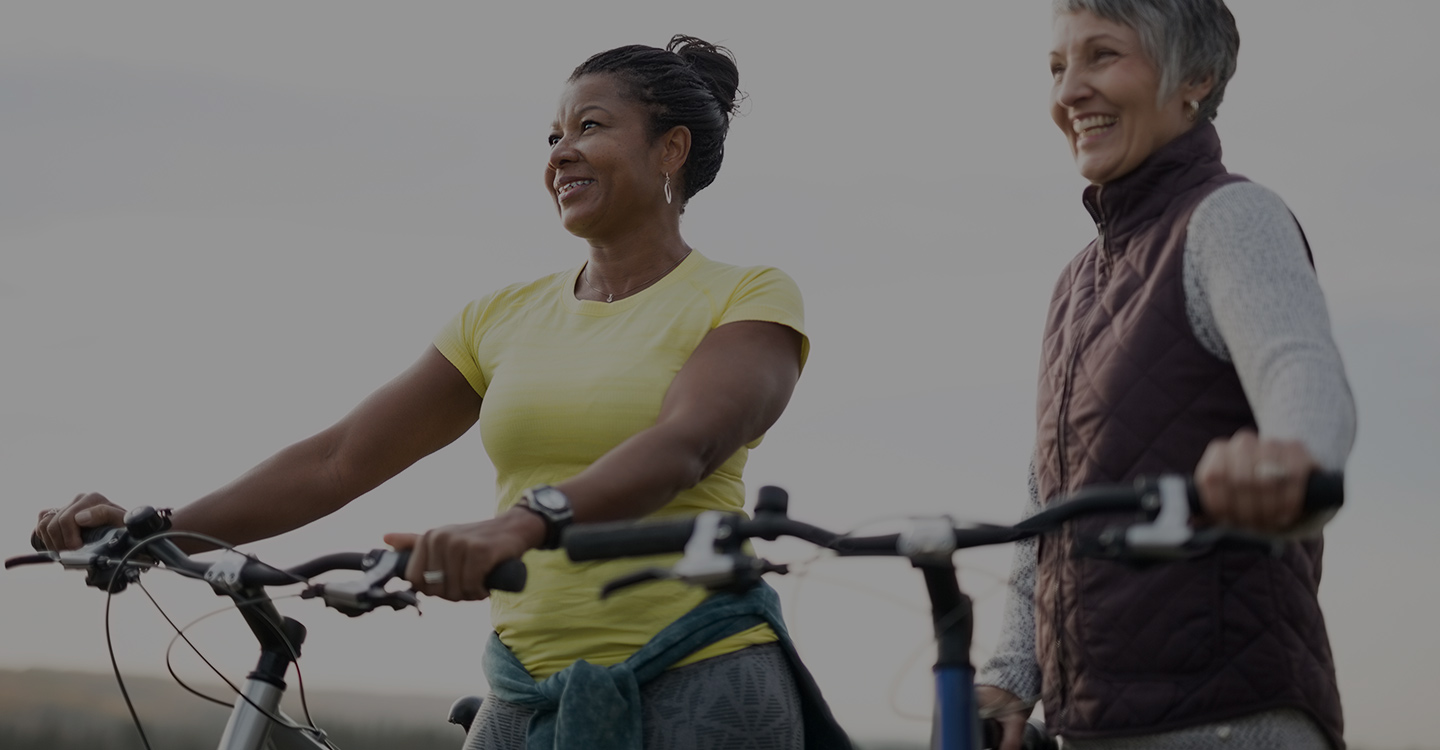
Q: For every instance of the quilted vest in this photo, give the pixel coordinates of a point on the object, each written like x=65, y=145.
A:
x=1127, y=390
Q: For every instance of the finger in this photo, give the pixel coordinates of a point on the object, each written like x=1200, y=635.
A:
x=42, y=527
x=100, y=515
x=66, y=529
x=1248, y=500
x=478, y=564
x=1271, y=471
x=419, y=560
x=1212, y=482
x=399, y=540
x=454, y=567
x=1280, y=474
x=87, y=509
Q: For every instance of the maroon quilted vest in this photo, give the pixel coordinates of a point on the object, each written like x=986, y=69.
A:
x=1127, y=390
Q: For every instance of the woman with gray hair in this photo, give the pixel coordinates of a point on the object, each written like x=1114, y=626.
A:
x=1190, y=336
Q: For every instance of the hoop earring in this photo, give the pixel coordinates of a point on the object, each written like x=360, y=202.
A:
x=667, y=189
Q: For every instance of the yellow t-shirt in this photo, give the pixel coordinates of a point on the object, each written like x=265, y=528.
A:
x=563, y=381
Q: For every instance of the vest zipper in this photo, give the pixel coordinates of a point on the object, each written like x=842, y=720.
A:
x=1067, y=390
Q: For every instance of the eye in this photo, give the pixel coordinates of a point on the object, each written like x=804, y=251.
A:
x=552, y=140
x=1056, y=70
x=587, y=124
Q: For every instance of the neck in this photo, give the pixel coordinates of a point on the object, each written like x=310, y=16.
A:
x=623, y=264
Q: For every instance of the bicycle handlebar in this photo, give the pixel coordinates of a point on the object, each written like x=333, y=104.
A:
x=1323, y=495
x=144, y=534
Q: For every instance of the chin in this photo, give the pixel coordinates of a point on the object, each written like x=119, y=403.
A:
x=1096, y=171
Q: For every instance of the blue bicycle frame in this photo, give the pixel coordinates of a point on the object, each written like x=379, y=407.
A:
x=956, y=724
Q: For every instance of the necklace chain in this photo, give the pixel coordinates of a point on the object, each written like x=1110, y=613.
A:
x=610, y=296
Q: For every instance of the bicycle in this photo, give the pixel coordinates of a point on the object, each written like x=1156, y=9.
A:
x=714, y=557
x=113, y=558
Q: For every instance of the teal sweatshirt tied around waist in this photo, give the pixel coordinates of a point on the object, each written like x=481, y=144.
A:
x=589, y=707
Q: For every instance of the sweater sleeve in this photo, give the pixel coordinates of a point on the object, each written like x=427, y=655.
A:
x=1253, y=299
x=1013, y=667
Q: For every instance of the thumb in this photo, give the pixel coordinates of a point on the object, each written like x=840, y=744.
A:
x=401, y=540
x=100, y=515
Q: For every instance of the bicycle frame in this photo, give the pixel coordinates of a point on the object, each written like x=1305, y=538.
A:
x=251, y=726
x=956, y=724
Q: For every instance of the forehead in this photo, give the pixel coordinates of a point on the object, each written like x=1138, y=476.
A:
x=601, y=90
x=1082, y=27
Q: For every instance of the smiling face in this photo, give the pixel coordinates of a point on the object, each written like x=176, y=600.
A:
x=1105, y=97
x=605, y=172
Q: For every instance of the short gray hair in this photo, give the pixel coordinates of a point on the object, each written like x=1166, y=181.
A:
x=1189, y=40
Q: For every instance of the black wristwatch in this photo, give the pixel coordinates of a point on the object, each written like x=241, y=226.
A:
x=552, y=506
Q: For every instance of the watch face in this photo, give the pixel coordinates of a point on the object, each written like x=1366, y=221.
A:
x=551, y=499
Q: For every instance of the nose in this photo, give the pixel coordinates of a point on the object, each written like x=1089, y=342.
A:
x=1072, y=88
x=562, y=153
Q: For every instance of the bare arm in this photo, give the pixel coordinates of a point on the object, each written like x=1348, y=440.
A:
x=425, y=408
x=731, y=390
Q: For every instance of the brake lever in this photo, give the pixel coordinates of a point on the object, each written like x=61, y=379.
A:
x=355, y=598
x=35, y=559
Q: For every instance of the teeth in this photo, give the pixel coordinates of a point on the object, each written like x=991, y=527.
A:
x=1094, y=122
x=567, y=187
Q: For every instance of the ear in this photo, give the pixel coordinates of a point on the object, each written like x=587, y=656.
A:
x=1196, y=91
x=674, y=147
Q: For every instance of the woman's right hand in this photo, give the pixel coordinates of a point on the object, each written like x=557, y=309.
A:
x=1007, y=708
x=59, y=528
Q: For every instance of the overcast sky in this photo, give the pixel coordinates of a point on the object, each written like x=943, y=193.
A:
x=223, y=225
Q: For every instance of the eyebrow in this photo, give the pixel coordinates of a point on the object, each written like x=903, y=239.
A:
x=582, y=111
x=1092, y=39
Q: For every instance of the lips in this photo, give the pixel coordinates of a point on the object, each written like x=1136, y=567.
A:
x=566, y=189
x=1090, y=126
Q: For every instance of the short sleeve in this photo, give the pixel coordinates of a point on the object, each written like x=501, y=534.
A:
x=459, y=342
x=769, y=295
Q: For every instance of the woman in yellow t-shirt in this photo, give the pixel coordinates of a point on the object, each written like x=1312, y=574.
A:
x=631, y=385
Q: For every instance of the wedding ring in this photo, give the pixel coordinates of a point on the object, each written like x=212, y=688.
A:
x=49, y=513
x=433, y=577
x=1269, y=471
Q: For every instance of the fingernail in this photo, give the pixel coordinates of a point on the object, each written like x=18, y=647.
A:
x=83, y=517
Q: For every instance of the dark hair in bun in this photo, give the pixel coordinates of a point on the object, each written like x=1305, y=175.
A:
x=692, y=83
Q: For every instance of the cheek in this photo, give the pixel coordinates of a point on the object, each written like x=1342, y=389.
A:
x=1059, y=117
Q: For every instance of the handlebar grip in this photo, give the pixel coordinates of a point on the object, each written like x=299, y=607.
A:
x=509, y=575
x=604, y=541
x=1324, y=491
x=88, y=535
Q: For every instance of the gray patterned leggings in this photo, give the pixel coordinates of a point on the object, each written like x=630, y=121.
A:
x=746, y=700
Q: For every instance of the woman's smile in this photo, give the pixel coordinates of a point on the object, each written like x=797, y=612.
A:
x=569, y=190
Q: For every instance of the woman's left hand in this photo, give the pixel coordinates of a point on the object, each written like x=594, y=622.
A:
x=1250, y=482
x=451, y=562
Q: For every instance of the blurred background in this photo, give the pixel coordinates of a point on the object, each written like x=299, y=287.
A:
x=222, y=225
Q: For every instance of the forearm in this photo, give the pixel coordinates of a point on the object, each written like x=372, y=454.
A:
x=641, y=475
x=286, y=491
x=732, y=390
